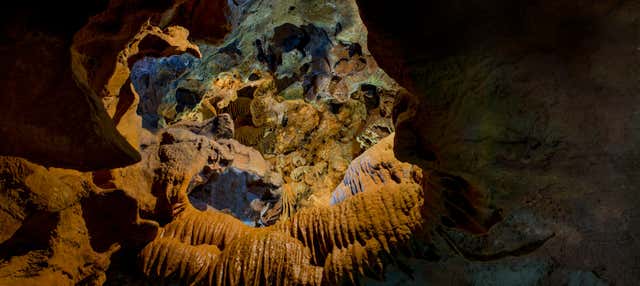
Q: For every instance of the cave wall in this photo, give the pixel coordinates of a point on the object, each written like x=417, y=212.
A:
x=534, y=103
x=66, y=65
x=42, y=100
x=521, y=114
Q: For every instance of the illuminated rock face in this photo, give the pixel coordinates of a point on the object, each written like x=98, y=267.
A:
x=41, y=99
x=252, y=142
x=375, y=168
x=298, y=82
x=60, y=229
x=152, y=78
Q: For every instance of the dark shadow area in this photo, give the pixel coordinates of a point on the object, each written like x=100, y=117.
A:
x=33, y=235
x=111, y=218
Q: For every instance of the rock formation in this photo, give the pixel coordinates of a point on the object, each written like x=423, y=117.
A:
x=532, y=104
x=60, y=229
x=375, y=168
x=338, y=142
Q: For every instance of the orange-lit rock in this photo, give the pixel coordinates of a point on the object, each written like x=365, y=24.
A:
x=54, y=225
x=259, y=142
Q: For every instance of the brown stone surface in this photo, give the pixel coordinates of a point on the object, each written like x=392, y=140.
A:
x=376, y=168
x=80, y=135
x=41, y=100
x=58, y=228
x=116, y=91
x=288, y=252
x=269, y=156
x=102, y=48
x=70, y=224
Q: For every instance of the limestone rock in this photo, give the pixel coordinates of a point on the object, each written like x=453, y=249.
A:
x=100, y=68
x=219, y=127
x=234, y=253
x=41, y=100
x=252, y=142
x=246, y=186
x=290, y=86
x=116, y=91
x=152, y=79
x=58, y=228
x=375, y=168
x=28, y=189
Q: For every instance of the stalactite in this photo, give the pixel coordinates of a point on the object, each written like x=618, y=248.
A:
x=266, y=257
x=209, y=227
x=343, y=265
x=168, y=258
x=288, y=201
x=249, y=135
x=389, y=215
x=317, y=245
x=376, y=167
x=240, y=109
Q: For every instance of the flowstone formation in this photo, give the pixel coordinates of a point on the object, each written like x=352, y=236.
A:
x=315, y=246
x=254, y=142
x=239, y=140
x=298, y=83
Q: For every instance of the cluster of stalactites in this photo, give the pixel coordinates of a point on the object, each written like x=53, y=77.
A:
x=316, y=246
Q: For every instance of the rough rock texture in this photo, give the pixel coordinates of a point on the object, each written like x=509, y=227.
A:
x=375, y=168
x=243, y=116
x=519, y=233
x=102, y=48
x=116, y=91
x=247, y=187
x=58, y=228
x=314, y=246
x=40, y=98
x=288, y=252
x=300, y=85
x=105, y=49
x=26, y=191
x=534, y=106
x=152, y=78
x=70, y=223
x=81, y=135
x=218, y=171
